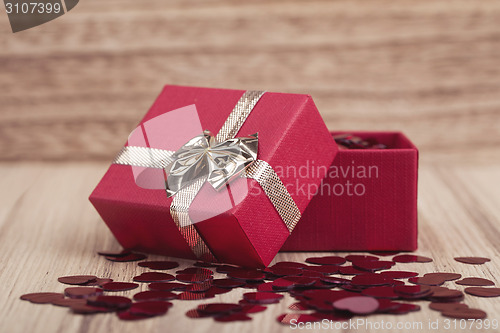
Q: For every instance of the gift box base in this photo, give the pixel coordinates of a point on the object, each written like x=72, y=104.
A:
x=367, y=201
x=239, y=224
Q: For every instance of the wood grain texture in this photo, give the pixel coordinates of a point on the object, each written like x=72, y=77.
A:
x=74, y=88
x=49, y=229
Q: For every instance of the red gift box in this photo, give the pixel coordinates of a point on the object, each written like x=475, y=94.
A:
x=248, y=232
x=367, y=201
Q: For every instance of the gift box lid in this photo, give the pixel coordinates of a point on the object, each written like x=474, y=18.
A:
x=258, y=168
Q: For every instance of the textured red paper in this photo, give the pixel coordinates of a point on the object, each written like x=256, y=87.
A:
x=291, y=133
x=383, y=219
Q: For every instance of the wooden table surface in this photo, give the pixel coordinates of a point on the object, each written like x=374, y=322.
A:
x=49, y=229
x=71, y=90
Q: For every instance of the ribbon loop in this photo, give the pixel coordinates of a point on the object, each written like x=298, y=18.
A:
x=204, y=157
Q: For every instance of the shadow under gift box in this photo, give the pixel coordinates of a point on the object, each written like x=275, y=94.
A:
x=291, y=132
x=367, y=201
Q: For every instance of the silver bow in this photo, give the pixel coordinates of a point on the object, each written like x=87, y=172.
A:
x=203, y=157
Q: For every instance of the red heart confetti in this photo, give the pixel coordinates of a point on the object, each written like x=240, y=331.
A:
x=154, y=277
x=98, y=282
x=404, y=308
x=199, y=287
x=125, y=315
x=195, y=271
x=189, y=296
x=350, y=270
x=354, y=257
x=195, y=314
x=119, y=286
x=193, y=278
x=407, y=258
x=472, y=260
x=440, y=294
x=159, y=265
x=247, y=275
x=88, y=309
x=311, y=286
x=77, y=279
x=284, y=271
x=289, y=318
x=380, y=292
x=334, y=280
x=385, y=305
x=167, y=286
x=384, y=253
x=69, y=302
x=251, y=308
x=82, y=292
x=127, y=258
x=372, y=265
x=290, y=282
x=447, y=306
x=357, y=304
x=398, y=274
x=466, y=313
x=233, y=317
x=266, y=287
x=483, y=292
x=288, y=264
x=219, y=308
x=474, y=281
x=216, y=291
x=371, y=279
x=112, y=302
x=328, y=260
x=324, y=269
x=412, y=292
x=262, y=298
x=299, y=306
x=227, y=283
x=42, y=298
x=428, y=280
x=153, y=295
x=149, y=308
x=444, y=276
x=226, y=269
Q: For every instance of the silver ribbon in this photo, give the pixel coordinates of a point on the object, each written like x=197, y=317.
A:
x=144, y=157
x=217, y=161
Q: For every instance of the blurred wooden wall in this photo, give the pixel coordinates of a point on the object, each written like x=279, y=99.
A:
x=74, y=88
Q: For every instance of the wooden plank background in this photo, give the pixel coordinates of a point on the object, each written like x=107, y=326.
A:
x=71, y=91
x=74, y=88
